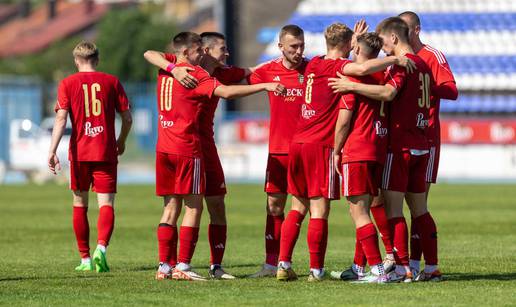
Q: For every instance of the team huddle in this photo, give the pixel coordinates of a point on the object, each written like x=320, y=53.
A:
x=371, y=122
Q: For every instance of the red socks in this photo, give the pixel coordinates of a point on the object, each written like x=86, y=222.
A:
x=272, y=238
x=81, y=229
x=289, y=234
x=167, y=243
x=317, y=241
x=368, y=238
x=428, y=237
x=188, y=237
x=399, y=231
x=360, y=257
x=105, y=224
x=380, y=218
x=415, y=242
x=217, y=238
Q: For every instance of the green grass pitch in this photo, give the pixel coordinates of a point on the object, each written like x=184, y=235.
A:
x=477, y=233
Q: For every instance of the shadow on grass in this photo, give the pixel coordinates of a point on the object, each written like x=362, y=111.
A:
x=469, y=276
x=88, y=276
x=196, y=267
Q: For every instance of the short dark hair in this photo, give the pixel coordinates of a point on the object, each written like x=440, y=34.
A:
x=337, y=34
x=208, y=38
x=293, y=30
x=185, y=40
x=372, y=42
x=414, y=18
x=394, y=25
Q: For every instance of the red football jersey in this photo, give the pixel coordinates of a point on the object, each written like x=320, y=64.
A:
x=409, y=111
x=320, y=109
x=179, y=111
x=284, y=110
x=367, y=138
x=441, y=73
x=92, y=98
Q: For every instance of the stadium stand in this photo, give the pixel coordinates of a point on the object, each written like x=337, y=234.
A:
x=478, y=38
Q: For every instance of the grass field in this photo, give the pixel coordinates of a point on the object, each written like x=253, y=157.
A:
x=477, y=232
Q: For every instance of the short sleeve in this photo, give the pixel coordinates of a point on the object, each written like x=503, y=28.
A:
x=347, y=102
x=170, y=57
x=441, y=71
x=122, y=103
x=230, y=74
x=396, y=76
x=341, y=64
x=257, y=76
x=206, y=84
x=63, y=101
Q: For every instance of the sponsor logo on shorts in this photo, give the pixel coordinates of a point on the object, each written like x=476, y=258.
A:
x=421, y=121
x=380, y=131
x=307, y=113
x=165, y=123
x=92, y=131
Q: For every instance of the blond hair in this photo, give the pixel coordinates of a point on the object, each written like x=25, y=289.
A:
x=337, y=34
x=87, y=51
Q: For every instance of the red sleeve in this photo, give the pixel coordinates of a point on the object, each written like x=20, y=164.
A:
x=122, y=103
x=341, y=64
x=347, y=102
x=63, y=101
x=170, y=57
x=445, y=86
x=396, y=77
x=446, y=91
x=257, y=76
x=206, y=84
x=229, y=74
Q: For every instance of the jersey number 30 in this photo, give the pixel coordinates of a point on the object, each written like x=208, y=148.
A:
x=424, y=101
x=96, y=105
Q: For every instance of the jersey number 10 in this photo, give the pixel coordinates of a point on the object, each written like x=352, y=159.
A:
x=96, y=104
x=166, y=94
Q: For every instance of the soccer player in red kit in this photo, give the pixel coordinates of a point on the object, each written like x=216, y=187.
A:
x=444, y=88
x=284, y=116
x=405, y=167
x=312, y=178
x=213, y=61
x=361, y=135
x=180, y=173
x=91, y=99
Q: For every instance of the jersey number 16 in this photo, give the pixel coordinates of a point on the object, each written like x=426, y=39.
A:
x=96, y=104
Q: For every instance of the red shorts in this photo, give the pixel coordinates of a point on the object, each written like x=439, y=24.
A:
x=405, y=172
x=179, y=175
x=361, y=177
x=276, y=174
x=101, y=176
x=433, y=164
x=215, y=181
x=311, y=172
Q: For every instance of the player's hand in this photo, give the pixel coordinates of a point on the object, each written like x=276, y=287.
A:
x=341, y=84
x=409, y=65
x=53, y=163
x=360, y=27
x=337, y=158
x=275, y=87
x=120, y=147
x=182, y=75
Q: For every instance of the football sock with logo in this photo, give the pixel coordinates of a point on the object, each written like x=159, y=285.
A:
x=399, y=231
x=81, y=229
x=188, y=237
x=105, y=224
x=217, y=237
x=369, y=240
x=317, y=239
x=289, y=234
x=272, y=238
x=428, y=237
x=165, y=234
x=415, y=243
x=382, y=223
